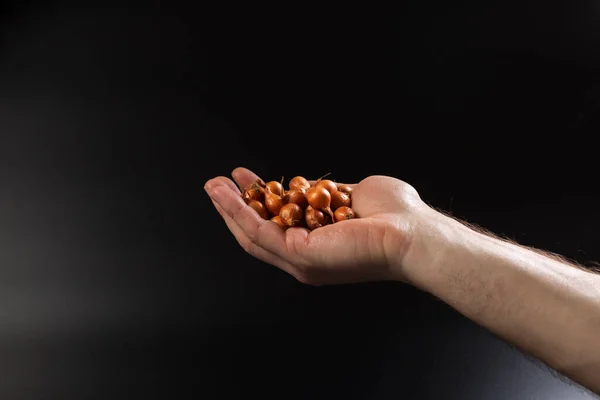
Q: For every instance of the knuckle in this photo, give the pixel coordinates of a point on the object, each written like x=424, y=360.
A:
x=252, y=238
x=237, y=213
x=254, y=234
x=247, y=245
x=251, y=242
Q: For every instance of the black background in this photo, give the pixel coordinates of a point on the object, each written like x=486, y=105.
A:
x=119, y=280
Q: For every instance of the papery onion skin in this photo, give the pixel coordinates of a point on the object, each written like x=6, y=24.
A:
x=273, y=202
x=278, y=221
x=314, y=218
x=345, y=188
x=343, y=213
x=275, y=187
x=340, y=199
x=291, y=215
x=300, y=183
x=327, y=184
x=319, y=198
x=259, y=208
x=296, y=196
x=253, y=193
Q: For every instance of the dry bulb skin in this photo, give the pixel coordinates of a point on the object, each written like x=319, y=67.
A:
x=330, y=186
x=253, y=192
x=275, y=187
x=291, y=214
x=300, y=204
x=296, y=196
x=278, y=221
x=340, y=199
x=273, y=202
x=320, y=199
x=259, y=208
x=343, y=213
x=314, y=218
x=299, y=183
x=345, y=188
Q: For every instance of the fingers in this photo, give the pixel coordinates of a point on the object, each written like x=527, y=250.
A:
x=250, y=247
x=261, y=232
x=295, y=251
x=221, y=181
x=244, y=177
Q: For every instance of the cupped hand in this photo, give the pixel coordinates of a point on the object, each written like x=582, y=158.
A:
x=367, y=248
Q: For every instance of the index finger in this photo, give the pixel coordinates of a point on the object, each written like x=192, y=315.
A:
x=244, y=177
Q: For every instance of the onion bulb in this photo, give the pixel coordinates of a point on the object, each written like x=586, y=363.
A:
x=299, y=183
x=291, y=214
x=278, y=221
x=343, y=213
x=275, y=187
x=314, y=218
x=320, y=199
x=259, y=208
x=345, y=188
x=297, y=197
x=273, y=202
x=253, y=192
x=327, y=184
x=340, y=199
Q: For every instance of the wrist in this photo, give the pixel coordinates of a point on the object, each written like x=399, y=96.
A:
x=433, y=238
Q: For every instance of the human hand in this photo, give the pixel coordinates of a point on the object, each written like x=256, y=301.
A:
x=371, y=247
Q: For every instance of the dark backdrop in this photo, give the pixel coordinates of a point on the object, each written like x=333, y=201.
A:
x=119, y=280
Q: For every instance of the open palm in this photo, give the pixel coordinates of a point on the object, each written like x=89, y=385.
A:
x=362, y=249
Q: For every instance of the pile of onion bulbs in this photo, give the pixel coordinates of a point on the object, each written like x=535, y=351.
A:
x=300, y=205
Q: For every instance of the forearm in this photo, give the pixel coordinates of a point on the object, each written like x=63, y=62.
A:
x=545, y=307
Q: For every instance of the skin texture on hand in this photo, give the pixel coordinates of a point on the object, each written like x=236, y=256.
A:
x=544, y=306
x=370, y=247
